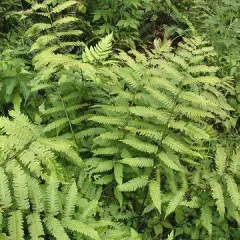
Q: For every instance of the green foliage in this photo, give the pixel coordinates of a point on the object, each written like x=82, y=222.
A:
x=119, y=120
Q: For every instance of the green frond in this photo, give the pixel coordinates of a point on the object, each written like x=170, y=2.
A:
x=69, y=33
x=171, y=235
x=56, y=124
x=35, y=226
x=152, y=134
x=90, y=132
x=62, y=146
x=138, y=162
x=103, y=166
x=235, y=163
x=193, y=113
x=20, y=188
x=150, y=113
x=140, y=145
x=108, y=120
x=118, y=174
x=233, y=190
x=175, y=202
x=168, y=161
x=52, y=198
x=56, y=228
x=159, y=82
x=161, y=97
x=15, y=225
x=155, y=194
x=220, y=160
x=179, y=147
x=29, y=160
x=79, y=227
x=42, y=41
x=106, y=179
x=71, y=200
x=116, y=135
x=5, y=195
x=64, y=20
x=193, y=203
x=60, y=7
x=207, y=80
x=37, y=28
x=106, y=151
x=197, y=100
x=90, y=209
x=217, y=194
x=100, y=51
x=206, y=218
x=133, y=184
x=35, y=195
x=202, y=69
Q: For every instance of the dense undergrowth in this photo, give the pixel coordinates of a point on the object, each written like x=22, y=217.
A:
x=119, y=119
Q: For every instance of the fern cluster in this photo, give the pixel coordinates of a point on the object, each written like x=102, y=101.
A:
x=100, y=142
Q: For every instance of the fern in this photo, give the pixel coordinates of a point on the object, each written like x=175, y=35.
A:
x=233, y=190
x=35, y=226
x=220, y=160
x=134, y=184
x=217, y=194
x=15, y=225
x=206, y=217
x=56, y=229
x=71, y=200
x=52, y=204
x=5, y=196
x=82, y=228
x=100, y=52
x=154, y=191
x=174, y=202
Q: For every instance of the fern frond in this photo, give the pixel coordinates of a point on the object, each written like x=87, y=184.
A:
x=155, y=135
x=35, y=195
x=15, y=225
x=56, y=124
x=71, y=200
x=217, y=194
x=106, y=179
x=220, y=160
x=52, y=198
x=35, y=226
x=79, y=227
x=140, y=145
x=149, y=113
x=64, y=20
x=171, y=235
x=103, y=166
x=108, y=120
x=138, y=162
x=5, y=195
x=20, y=188
x=55, y=228
x=155, y=194
x=60, y=7
x=100, y=51
x=206, y=218
x=106, y=151
x=166, y=159
x=133, y=184
x=235, y=164
x=118, y=174
x=161, y=97
x=233, y=190
x=174, y=202
x=178, y=146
